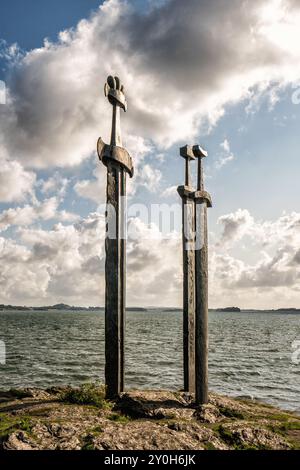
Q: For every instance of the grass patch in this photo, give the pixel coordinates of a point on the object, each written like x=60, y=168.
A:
x=230, y=413
x=122, y=419
x=19, y=393
x=232, y=440
x=226, y=435
x=88, y=440
x=97, y=430
x=290, y=426
x=10, y=424
x=290, y=432
x=209, y=446
x=88, y=446
x=285, y=417
x=87, y=394
x=282, y=428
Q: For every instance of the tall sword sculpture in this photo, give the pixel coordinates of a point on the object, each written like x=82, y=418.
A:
x=186, y=193
x=118, y=163
x=202, y=202
x=195, y=277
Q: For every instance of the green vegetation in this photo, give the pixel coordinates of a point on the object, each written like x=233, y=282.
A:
x=225, y=434
x=209, y=446
x=288, y=428
x=19, y=394
x=233, y=440
x=122, y=419
x=97, y=430
x=82, y=418
x=230, y=413
x=87, y=394
x=87, y=441
x=9, y=424
x=291, y=426
x=88, y=445
x=283, y=417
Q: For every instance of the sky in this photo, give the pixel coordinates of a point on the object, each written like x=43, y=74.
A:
x=222, y=74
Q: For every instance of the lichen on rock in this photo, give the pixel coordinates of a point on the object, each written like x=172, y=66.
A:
x=63, y=418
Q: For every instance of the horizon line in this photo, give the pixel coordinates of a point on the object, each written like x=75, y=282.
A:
x=149, y=307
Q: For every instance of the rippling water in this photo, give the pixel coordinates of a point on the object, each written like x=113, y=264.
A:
x=250, y=352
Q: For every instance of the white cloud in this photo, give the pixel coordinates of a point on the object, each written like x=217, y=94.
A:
x=149, y=177
x=285, y=231
x=226, y=155
x=225, y=146
x=274, y=278
x=15, y=182
x=67, y=264
x=156, y=259
x=171, y=191
x=235, y=226
x=2, y=93
x=28, y=214
x=56, y=107
x=54, y=184
x=93, y=189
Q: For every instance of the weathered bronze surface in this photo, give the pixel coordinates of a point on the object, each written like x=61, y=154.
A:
x=118, y=163
x=195, y=277
x=119, y=154
x=188, y=235
x=203, y=196
x=202, y=201
x=186, y=193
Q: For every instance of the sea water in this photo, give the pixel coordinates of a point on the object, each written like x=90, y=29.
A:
x=251, y=354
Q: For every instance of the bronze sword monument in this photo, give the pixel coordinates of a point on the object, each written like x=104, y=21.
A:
x=195, y=278
x=186, y=193
x=118, y=163
x=202, y=202
x=195, y=262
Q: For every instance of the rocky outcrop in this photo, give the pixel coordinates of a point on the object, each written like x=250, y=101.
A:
x=35, y=419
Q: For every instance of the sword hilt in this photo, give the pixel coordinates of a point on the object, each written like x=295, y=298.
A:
x=115, y=152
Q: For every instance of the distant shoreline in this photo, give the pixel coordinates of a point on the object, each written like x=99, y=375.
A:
x=65, y=307
x=62, y=307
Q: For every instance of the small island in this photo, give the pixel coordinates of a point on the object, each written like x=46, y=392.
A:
x=228, y=309
x=285, y=310
x=136, y=309
x=47, y=308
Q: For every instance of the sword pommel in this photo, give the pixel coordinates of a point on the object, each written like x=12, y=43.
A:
x=115, y=92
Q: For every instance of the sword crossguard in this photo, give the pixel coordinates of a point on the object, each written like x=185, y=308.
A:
x=116, y=154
